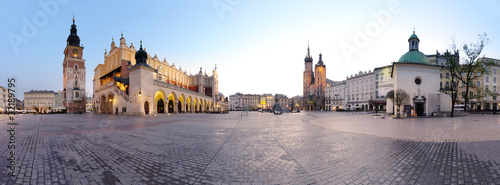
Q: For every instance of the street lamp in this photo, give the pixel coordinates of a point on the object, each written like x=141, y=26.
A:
x=140, y=94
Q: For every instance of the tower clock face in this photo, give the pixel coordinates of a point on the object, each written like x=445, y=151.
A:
x=75, y=51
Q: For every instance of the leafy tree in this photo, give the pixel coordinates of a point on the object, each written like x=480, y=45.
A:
x=400, y=98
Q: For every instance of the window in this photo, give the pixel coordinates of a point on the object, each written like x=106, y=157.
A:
x=495, y=80
x=478, y=74
x=418, y=81
x=463, y=84
x=447, y=75
x=478, y=83
x=487, y=87
x=376, y=77
x=494, y=88
x=124, y=109
x=77, y=94
x=440, y=85
x=76, y=66
x=76, y=83
x=494, y=97
x=487, y=79
x=440, y=75
x=447, y=85
x=471, y=94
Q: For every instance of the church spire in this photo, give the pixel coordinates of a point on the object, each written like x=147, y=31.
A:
x=308, y=57
x=73, y=39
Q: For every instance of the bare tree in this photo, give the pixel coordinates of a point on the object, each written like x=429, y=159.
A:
x=400, y=98
x=470, y=68
x=452, y=65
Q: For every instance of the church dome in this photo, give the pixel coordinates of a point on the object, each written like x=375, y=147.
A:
x=413, y=36
x=414, y=57
x=141, y=56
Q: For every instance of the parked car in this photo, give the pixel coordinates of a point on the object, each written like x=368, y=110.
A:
x=278, y=112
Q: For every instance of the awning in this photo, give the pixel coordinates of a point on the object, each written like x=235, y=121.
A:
x=378, y=101
x=59, y=108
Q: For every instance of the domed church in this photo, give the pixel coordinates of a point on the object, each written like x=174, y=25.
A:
x=419, y=78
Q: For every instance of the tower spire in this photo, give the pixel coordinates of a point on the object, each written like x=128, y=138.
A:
x=73, y=17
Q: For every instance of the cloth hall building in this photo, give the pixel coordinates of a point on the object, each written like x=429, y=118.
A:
x=131, y=82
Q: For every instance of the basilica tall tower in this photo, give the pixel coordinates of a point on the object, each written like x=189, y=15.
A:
x=314, y=83
x=74, y=73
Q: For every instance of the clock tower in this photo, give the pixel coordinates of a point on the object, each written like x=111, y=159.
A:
x=74, y=73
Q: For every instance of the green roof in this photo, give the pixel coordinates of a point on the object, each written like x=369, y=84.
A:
x=414, y=57
x=413, y=36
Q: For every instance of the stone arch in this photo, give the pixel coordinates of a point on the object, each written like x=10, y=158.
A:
x=103, y=104
x=159, y=101
x=204, y=103
x=196, y=104
x=189, y=104
x=181, y=101
x=109, y=103
x=171, y=103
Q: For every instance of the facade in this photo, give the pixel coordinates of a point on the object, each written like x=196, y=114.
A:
x=282, y=101
x=267, y=101
x=336, y=94
x=89, y=106
x=240, y=101
x=4, y=99
x=74, y=73
x=295, y=103
x=420, y=79
x=131, y=82
x=314, y=83
x=487, y=93
x=360, y=90
x=40, y=101
x=383, y=84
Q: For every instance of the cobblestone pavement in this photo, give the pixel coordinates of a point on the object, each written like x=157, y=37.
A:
x=261, y=148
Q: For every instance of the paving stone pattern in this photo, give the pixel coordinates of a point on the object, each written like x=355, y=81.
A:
x=261, y=148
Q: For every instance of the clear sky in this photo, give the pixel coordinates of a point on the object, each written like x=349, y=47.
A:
x=258, y=46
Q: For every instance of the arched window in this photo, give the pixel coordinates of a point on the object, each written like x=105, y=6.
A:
x=76, y=83
x=76, y=66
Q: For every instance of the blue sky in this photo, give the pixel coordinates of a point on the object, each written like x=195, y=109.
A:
x=258, y=46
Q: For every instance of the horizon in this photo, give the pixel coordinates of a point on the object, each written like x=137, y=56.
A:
x=254, y=44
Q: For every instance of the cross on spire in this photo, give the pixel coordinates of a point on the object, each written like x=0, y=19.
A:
x=73, y=17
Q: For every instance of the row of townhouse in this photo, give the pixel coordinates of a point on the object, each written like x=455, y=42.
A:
x=484, y=94
x=240, y=101
x=368, y=90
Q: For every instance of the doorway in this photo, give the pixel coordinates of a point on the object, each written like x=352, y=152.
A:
x=419, y=108
x=170, y=106
x=146, y=107
x=161, y=106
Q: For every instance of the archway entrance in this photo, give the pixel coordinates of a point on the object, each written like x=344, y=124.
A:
x=146, y=107
x=103, y=105
x=109, y=105
x=179, y=106
x=419, y=108
x=170, y=106
x=161, y=106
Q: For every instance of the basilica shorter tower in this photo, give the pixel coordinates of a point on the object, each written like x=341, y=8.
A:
x=314, y=83
x=74, y=73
